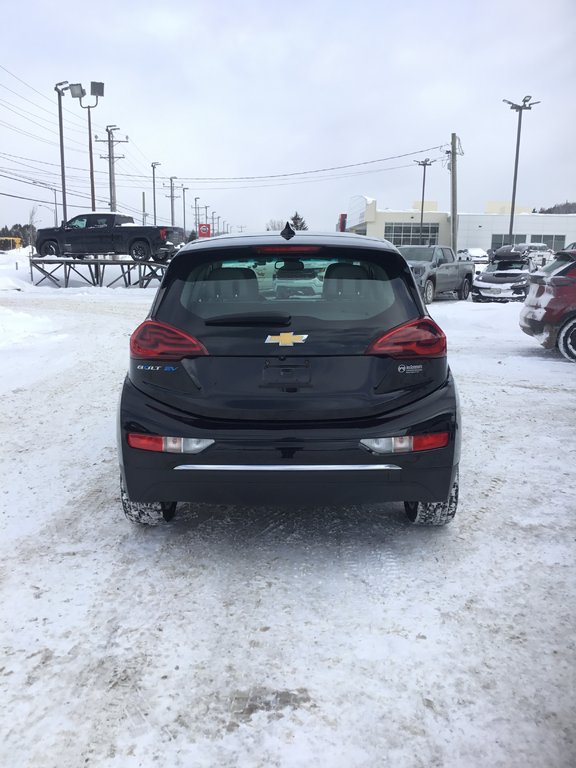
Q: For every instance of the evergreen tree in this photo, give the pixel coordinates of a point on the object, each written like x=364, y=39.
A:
x=560, y=208
x=298, y=222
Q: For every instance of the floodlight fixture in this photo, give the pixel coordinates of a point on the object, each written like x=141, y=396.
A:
x=76, y=90
x=96, y=89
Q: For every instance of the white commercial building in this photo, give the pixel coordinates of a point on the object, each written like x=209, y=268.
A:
x=475, y=230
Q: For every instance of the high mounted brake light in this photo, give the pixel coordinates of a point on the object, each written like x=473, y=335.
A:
x=153, y=340
x=416, y=339
x=287, y=249
x=163, y=233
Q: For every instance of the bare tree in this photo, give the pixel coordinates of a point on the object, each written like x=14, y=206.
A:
x=275, y=225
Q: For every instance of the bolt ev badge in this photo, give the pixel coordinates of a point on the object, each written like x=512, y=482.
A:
x=286, y=339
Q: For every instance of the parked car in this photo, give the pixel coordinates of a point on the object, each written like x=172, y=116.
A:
x=549, y=312
x=299, y=279
x=103, y=233
x=477, y=255
x=437, y=270
x=236, y=393
x=505, y=279
x=540, y=253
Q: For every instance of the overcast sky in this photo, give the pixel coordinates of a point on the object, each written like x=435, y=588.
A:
x=262, y=88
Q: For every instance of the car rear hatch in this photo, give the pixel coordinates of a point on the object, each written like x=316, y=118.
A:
x=222, y=344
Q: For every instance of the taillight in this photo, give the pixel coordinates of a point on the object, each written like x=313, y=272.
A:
x=153, y=340
x=406, y=443
x=163, y=233
x=162, y=444
x=418, y=338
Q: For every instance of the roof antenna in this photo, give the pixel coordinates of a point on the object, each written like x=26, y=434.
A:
x=287, y=233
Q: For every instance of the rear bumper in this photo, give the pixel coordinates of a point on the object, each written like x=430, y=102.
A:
x=274, y=464
x=545, y=333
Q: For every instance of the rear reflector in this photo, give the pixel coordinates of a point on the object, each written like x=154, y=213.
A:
x=153, y=340
x=406, y=443
x=418, y=338
x=168, y=444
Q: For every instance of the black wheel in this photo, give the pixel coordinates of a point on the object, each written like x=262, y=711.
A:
x=160, y=258
x=433, y=512
x=475, y=299
x=464, y=291
x=49, y=248
x=567, y=340
x=140, y=250
x=146, y=513
x=429, y=292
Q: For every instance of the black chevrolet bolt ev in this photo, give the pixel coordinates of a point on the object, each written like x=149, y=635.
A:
x=289, y=368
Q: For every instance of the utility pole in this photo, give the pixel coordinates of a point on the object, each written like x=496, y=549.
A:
x=206, y=213
x=454, y=193
x=154, y=189
x=212, y=230
x=527, y=103
x=424, y=163
x=241, y=227
x=184, y=190
x=144, y=214
x=218, y=225
x=111, y=160
x=196, y=214
x=172, y=196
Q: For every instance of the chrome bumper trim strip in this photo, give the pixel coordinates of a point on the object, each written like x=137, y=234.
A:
x=285, y=467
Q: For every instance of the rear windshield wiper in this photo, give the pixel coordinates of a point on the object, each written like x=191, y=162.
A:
x=253, y=318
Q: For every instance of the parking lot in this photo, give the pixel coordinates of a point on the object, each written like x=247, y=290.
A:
x=282, y=637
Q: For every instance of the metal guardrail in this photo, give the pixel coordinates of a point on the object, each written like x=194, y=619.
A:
x=93, y=271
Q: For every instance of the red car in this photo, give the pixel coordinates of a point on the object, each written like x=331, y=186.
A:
x=549, y=312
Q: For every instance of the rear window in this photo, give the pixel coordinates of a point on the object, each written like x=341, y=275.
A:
x=560, y=261
x=506, y=265
x=321, y=285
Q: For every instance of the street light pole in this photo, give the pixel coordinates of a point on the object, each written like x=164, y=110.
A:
x=60, y=88
x=78, y=92
x=154, y=189
x=527, y=103
x=184, y=190
x=424, y=163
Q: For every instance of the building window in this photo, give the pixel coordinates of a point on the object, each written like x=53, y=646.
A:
x=402, y=233
x=556, y=242
x=499, y=240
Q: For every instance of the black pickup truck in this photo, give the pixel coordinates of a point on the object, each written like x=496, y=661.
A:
x=103, y=233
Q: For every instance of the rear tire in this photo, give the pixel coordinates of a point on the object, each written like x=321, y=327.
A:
x=140, y=250
x=147, y=513
x=429, y=291
x=49, y=248
x=567, y=340
x=433, y=512
x=464, y=291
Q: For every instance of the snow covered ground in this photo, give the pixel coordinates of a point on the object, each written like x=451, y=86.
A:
x=268, y=637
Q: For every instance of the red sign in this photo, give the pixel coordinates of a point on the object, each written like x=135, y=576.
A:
x=203, y=230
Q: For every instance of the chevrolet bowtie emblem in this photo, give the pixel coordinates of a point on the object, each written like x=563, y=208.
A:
x=286, y=339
